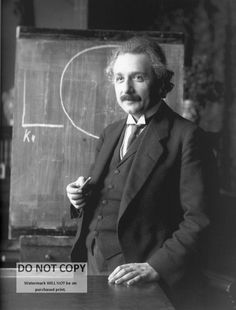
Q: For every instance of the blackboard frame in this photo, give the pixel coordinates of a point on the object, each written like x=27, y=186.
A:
x=31, y=32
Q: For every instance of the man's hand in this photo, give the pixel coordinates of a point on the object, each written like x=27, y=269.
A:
x=133, y=273
x=76, y=194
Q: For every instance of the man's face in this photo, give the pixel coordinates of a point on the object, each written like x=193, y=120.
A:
x=133, y=80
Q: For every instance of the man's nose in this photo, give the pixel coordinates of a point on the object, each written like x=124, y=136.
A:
x=128, y=87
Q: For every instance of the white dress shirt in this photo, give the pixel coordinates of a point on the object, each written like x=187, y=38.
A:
x=141, y=122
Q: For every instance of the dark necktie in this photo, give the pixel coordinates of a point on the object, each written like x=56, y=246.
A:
x=133, y=134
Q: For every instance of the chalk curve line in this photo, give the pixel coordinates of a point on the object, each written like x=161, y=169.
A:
x=61, y=83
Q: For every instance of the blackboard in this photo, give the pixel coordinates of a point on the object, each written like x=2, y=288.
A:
x=63, y=101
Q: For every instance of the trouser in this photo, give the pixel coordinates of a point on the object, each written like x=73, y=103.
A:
x=98, y=265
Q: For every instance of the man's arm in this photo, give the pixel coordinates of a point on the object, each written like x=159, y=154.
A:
x=169, y=261
x=196, y=169
x=79, y=201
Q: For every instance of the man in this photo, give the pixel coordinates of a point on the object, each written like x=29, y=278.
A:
x=144, y=211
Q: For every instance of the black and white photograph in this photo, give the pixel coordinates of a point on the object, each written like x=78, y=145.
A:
x=118, y=155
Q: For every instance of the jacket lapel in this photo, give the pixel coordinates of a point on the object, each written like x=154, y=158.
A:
x=147, y=156
x=107, y=150
x=132, y=149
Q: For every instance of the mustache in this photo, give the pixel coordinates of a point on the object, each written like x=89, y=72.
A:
x=130, y=98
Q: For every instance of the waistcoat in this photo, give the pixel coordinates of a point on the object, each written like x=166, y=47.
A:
x=103, y=227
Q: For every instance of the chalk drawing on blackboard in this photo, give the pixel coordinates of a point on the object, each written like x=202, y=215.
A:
x=23, y=123
x=62, y=80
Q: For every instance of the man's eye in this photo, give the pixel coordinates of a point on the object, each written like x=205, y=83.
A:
x=139, y=78
x=119, y=79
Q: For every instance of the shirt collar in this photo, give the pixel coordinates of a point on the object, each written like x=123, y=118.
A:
x=142, y=120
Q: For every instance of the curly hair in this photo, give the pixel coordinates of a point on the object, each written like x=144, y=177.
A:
x=149, y=47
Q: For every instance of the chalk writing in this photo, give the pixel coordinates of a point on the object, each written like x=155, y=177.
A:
x=28, y=136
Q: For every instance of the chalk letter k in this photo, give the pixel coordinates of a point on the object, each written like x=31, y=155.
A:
x=26, y=136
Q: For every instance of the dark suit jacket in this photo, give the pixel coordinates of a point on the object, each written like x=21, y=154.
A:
x=163, y=210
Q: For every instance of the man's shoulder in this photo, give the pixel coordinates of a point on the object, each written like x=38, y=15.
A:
x=184, y=124
x=182, y=128
x=113, y=127
x=179, y=122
